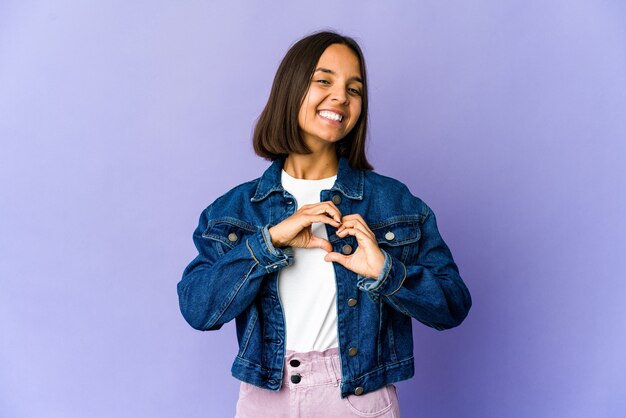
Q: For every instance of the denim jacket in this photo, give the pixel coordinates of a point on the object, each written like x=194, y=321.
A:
x=235, y=276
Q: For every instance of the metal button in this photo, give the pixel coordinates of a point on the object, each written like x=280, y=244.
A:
x=389, y=236
x=352, y=351
x=296, y=378
x=346, y=249
x=232, y=237
x=336, y=199
x=358, y=391
x=294, y=363
x=351, y=302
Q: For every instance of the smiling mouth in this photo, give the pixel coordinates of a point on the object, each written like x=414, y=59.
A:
x=326, y=114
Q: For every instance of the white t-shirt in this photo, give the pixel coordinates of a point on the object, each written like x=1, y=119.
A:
x=307, y=288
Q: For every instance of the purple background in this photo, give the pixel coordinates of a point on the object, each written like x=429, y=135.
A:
x=120, y=121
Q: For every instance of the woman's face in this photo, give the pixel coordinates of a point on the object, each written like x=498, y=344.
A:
x=332, y=105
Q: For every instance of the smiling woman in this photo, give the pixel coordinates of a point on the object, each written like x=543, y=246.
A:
x=278, y=132
x=332, y=105
x=321, y=261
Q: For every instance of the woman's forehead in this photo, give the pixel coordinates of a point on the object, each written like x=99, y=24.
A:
x=339, y=58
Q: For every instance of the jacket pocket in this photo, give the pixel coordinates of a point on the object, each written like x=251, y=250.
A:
x=228, y=232
x=399, y=236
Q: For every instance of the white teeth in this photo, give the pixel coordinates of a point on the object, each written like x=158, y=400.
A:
x=331, y=115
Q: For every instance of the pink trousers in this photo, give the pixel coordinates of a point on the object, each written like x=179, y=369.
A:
x=311, y=390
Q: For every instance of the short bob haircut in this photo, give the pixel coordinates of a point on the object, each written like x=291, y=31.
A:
x=277, y=132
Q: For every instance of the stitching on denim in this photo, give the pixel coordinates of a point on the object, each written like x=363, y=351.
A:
x=251, y=252
x=392, y=300
x=401, y=282
x=232, y=221
x=386, y=366
x=392, y=342
x=248, y=333
x=379, y=345
x=250, y=362
x=269, y=247
x=410, y=219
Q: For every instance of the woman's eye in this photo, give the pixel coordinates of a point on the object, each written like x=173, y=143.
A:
x=354, y=91
x=323, y=81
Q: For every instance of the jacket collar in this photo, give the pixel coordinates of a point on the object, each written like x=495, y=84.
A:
x=349, y=181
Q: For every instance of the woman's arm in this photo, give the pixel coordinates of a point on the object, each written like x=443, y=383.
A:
x=216, y=288
x=429, y=290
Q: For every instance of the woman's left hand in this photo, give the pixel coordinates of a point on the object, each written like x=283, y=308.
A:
x=368, y=259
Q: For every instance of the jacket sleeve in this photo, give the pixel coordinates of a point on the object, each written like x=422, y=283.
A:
x=216, y=288
x=430, y=289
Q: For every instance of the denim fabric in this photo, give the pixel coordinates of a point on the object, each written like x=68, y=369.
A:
x=235, y=276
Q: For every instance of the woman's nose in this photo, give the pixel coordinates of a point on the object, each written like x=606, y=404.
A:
x=339, y=94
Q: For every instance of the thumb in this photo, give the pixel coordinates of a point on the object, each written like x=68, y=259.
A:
x=317, y=242
x=337, y=258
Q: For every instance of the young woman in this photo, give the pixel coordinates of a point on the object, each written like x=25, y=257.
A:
x=321, y=261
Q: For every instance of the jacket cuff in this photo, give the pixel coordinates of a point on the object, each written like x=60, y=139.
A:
x=265, y=254
x=389, y=281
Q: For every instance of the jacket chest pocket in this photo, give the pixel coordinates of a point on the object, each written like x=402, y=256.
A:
x=398, y=236
x=227, y=233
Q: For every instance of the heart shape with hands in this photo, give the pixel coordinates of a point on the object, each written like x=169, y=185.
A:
x=295, y=231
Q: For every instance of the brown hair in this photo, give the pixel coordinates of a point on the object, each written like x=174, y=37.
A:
x=277, y=133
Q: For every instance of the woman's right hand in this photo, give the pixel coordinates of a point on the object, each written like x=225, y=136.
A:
x=295, y=231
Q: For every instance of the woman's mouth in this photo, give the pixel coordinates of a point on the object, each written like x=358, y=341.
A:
x=327, y=114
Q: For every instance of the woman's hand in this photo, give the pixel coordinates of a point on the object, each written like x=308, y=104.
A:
x=368, y=259
x=295, y=231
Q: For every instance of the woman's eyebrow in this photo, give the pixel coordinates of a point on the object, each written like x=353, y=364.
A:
x=329, y=71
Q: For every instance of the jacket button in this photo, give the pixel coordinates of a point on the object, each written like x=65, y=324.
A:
x=296, y=378
x=389, y=236
x=294, y=363
x=346, y=249
x=351, y=302
x=232, y=237
x=352, y=351
x=336, y=199
x=358, y=391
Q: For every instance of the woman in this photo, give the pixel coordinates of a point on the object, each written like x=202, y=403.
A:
x=321, y=261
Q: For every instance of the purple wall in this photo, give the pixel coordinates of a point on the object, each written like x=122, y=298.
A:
x=120, y=121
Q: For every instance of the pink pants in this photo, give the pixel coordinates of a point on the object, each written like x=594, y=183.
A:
x=316, y=395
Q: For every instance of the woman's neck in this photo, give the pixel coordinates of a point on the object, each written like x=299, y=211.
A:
x=314, y=166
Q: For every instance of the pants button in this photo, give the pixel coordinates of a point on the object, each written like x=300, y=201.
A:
x=294, y=363
x=296, y=378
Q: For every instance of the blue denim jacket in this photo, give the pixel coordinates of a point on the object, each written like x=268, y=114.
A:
x=235, y=276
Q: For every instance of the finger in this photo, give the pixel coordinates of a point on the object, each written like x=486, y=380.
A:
x=354, y=224
x=357, y=218
x=354, y=216
x=317, y=242
x=311, y=219
x=351, y=223
x=305, y=220
x=361, y=236
x=337, y=258
x=326, y=207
